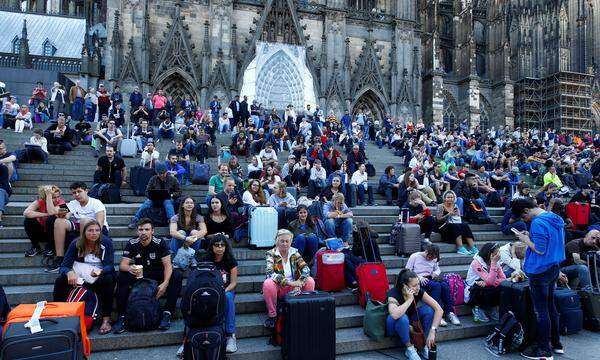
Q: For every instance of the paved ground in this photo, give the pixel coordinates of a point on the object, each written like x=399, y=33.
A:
x=583, y=346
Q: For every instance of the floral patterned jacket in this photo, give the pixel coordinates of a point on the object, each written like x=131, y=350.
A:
x=275, y=272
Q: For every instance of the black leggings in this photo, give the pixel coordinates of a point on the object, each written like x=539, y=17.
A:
x=450, y=232
x=427, y=224
x=486, y=297
x=38, y=233
x=103, y=287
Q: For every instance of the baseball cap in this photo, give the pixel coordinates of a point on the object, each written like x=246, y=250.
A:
x=160, y=169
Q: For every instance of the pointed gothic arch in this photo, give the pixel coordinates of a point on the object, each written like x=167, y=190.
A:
x=278, y=17
x=176, y=54
x=368, y=71
x=485, y=113
x=177, y=83
x=370, y=99
x=279, y=83
x=450, y=112
x=405, y=101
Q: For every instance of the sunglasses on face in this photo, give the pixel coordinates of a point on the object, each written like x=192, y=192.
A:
x=219, y=245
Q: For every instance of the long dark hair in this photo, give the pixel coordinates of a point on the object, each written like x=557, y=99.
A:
x=181, y=224
x=309, y=221
x=223, y=207
x=404, y=277
x=227, y=255
x=487, y=250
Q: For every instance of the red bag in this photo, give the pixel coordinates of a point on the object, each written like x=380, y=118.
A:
x=372, y=278
x=578, y=213
x=330, y=270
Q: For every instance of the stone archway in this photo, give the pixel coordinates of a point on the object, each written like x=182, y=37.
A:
x=370, y=100
x=177, y=85
x=596, y=116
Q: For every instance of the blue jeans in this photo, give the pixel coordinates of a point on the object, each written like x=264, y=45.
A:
x=77, y=109
x=440, y=291
x=3, y=200
x=167, y=204
x=542, y=294
x=360, y=189
x=166, y=134
x=400, y=327
x=141, y=142
x=341, y=228
x=230, y=313
x=578, y=271
x=460, y=202
x=307, y=246
x=175, y=244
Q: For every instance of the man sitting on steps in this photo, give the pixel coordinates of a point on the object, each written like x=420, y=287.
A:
x=153, y=254
x=110, y=169
x=82, y=206
x=163, y=180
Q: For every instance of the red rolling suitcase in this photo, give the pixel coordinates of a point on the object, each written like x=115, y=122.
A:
x=579, y=213
x=330, y=270
x=372, y=278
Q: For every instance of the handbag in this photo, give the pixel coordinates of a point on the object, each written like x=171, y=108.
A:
x=374, y=319
x=417, y=335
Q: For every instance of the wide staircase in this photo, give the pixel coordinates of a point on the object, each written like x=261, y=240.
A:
x=25, y=281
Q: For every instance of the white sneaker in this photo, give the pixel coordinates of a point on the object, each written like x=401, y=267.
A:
x=443, y=323
x=453, y=319
x=231, y=344
x=411, y=353
x=425, y=353
x=179, y=353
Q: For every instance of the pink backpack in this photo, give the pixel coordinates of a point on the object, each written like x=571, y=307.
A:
x=457, y=288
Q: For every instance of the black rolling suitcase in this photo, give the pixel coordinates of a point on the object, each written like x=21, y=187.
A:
x=516, y=297
x=60, y=339
x=590, y=300
x=305, y=326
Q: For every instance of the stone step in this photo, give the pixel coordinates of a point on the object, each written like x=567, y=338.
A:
x=115, y=220
x=19, y=270
x=348, y=340
x=248, y=284
x=17, y=208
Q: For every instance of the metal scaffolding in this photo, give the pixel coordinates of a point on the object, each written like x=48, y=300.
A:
x=562, y=101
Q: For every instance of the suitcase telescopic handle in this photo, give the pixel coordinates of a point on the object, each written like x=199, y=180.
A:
x=594, y=254
x=360, y=237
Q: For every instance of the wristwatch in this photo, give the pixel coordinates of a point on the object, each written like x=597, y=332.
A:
x=434, y=328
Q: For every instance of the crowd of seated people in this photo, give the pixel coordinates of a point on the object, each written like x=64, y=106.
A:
x=447, y=181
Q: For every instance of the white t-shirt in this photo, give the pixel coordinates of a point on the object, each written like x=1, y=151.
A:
x=89, y=211
x=263, y=154
x=146, y=156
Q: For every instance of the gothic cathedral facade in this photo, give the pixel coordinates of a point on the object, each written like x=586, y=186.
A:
x=443, y=61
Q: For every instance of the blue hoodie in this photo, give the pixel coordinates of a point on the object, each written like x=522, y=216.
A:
x=547, y=232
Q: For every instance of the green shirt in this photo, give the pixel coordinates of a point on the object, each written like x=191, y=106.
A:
x=217, y=182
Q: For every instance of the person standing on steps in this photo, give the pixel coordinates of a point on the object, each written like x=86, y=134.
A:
x=546, y=250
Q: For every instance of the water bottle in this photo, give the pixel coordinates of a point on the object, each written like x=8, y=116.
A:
x=433, y=353
x=404, y=215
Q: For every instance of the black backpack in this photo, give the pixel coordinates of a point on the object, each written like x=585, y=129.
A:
x=507, y=336
x=143, y=308
x=4, y=306
x=157, y=215
x=203, y=303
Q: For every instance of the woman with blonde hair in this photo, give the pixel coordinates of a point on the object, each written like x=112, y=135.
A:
x=89, y=263
x=286, y=271
x=39, y=219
